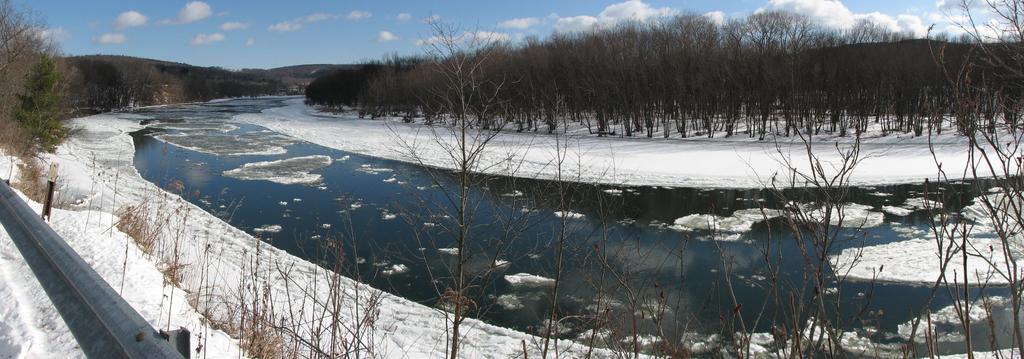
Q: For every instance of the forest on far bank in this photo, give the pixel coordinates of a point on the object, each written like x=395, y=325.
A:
x=769, y=73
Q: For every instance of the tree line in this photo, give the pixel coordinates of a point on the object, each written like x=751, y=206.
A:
x=769, y=73
x=104, y=83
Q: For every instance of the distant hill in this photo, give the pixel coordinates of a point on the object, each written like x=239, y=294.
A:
x=297, y=77
x=107, y=82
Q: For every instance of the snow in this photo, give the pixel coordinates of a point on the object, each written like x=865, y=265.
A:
x=295, y=170
x=449, y=251
x=528, y=280
x=31, y=327
x=737, y=162
x=217, y=260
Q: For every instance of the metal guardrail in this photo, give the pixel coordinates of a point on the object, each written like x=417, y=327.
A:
x=104, y=325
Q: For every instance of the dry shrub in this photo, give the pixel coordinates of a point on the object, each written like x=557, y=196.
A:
x=30, y=180
x=173, y=271
x=11, y=138
x=256, y=332
x=134, y=222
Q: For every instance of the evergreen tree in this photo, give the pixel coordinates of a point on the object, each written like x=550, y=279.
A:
x=39, y=107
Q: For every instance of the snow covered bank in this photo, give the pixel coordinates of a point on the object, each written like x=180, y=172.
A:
x=30, y=327
x=215, y=263
x=738, y=162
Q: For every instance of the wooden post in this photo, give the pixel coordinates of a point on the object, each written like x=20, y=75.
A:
x=51, y=184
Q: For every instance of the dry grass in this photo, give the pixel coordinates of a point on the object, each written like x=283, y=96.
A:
x=30, y=180
x=133, y=220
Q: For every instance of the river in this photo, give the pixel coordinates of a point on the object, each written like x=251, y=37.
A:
x=623, y=254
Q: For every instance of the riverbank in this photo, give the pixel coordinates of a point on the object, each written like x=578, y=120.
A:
x=737, y=162
x=218, y=268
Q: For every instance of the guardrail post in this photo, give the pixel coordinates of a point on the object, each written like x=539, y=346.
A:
x=51, y=184
x=180, y=339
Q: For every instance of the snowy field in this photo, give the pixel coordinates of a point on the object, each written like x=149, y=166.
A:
x=96, y=172
x=738, y=162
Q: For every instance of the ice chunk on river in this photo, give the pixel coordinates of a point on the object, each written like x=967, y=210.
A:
x=740, y=221
x=270, y=228
x=569, y=214
x=528, y=280
x=230, y=145
x=288, y=171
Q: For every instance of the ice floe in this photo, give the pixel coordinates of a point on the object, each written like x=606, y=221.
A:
x=230, y=145
x=946, y=324
x=848, y=215
x=897, y=211
x=295, y=170
x=395, y=269
x=514, y=193
x=569, y=214
x=509, y=302
x=741, y=221
x=528, y=280
x=270, y=228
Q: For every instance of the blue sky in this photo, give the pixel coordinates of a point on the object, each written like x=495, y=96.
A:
x=272, y=33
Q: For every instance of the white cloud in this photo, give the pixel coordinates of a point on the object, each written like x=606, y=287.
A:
x=835, y=14
x=357, y=15
x=250, y=42
x=634, y=10
x=54, y=35
x=520, y=23
x=286, y=26
x=404, y=16
x=912, y=24
x=575, y=23
x=192, y=12
x=317, y=17
x=298, y=24
x=477, y=37
x=130, y=18
x=110, y=39
x=630, y=10
x=386, y=36
x=717, y=17
x=229, y=26
x=206, y=39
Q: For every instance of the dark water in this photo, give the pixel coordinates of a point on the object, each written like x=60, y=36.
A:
x=614, y=253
